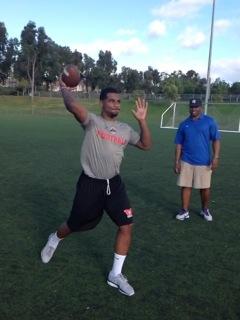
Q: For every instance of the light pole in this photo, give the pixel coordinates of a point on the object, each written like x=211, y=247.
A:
x=209, y=62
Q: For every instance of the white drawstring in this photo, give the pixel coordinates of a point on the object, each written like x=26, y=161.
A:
x=108, y=191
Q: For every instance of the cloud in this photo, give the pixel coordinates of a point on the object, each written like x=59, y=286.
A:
x=125, y=32
x=180, y=8
x=157, y=28
x=191, y=38
x=222, y=25
x=168, y=63
x=226, y=69
x=117, y=47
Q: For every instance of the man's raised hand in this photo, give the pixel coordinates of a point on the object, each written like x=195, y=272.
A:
x=140, y=112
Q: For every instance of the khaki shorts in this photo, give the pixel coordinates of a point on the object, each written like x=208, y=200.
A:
x=198, y=177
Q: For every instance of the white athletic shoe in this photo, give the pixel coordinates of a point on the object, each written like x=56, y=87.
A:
x=182, y=215
x=49, y=249
x=120, y=281
x=206, y=215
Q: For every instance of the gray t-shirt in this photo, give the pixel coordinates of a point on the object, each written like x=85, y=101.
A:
x=103, y=146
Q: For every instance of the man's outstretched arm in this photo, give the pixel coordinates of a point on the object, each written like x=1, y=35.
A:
x=71, y=103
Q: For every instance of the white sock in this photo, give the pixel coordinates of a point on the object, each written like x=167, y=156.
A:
x=117, y=263
x=54, y=239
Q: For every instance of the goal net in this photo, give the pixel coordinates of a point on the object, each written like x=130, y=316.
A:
x=227, y=115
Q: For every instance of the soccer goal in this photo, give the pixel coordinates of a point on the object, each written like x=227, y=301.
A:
x=227, y=115
x=168, y=117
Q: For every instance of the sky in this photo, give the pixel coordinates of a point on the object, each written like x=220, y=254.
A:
x=165, y=35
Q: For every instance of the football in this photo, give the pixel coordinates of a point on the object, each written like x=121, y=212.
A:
x=71, y=76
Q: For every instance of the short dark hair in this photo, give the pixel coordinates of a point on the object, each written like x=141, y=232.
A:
x=105, y=91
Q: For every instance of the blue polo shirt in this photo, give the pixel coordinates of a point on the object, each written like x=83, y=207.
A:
x=195, y=137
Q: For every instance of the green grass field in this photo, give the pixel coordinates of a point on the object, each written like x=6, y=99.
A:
x=180, y=270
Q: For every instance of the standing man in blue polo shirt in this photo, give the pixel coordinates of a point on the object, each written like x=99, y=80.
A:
x=194, y=160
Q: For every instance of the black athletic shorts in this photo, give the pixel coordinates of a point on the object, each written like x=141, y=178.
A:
x=93, y=197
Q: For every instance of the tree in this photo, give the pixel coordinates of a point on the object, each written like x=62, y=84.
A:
x=3, y=41
x=148, y=80
x=220, y=87
x=156, y=81
x=33, y=49
x=176, y=78
x=50, y=67
x=8, y=53
x=131, y=79
x=77, y=60
x=192, y=75
x=106, y=62
x=55, y=58
x=3, y=46
x=201, y=86
x=11, y=53
x=170, y=90
x=192, y=82
x=88, y=66
x=41, y=61
x=105, y=68
x=235, y=88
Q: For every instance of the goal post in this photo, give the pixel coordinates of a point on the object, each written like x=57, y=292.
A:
x=227, y=115
x=171, y=110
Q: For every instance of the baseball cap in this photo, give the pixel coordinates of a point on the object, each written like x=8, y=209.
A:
x=195, y=103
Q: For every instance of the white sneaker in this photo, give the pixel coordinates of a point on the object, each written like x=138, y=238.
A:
x=120, y=282
x=49, y=249
x=206, y=215
x=182, y=215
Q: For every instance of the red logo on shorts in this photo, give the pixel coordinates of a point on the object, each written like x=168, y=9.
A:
x=128, y=212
